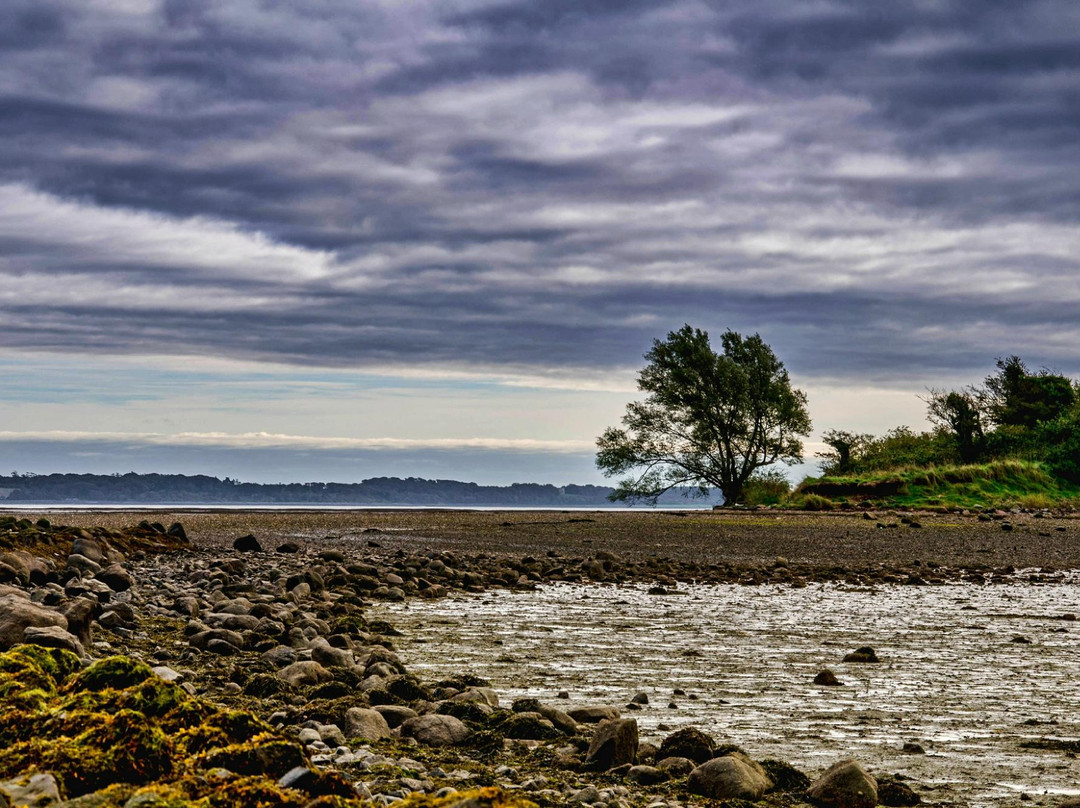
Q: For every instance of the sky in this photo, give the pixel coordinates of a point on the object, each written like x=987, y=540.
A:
x=293, y=240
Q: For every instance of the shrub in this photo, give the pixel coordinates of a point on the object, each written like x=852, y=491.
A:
x=769, y=487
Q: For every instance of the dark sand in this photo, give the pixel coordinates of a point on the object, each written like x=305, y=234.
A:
x=732, y=537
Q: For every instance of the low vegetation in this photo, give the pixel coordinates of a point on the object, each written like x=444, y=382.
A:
x=1013, y=442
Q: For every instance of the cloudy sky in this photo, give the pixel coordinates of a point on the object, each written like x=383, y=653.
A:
x=336, y=239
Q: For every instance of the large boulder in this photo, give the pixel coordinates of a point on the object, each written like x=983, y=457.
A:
x=435, y=730
x=304, y=674
x=18, y=613
x=614, y=743
x=731, y=777
x=687, y=743
x=361, y=722
x=247, y=544
x=593, y=715
x=116, y=578
x=54, y=637
x=395, y=714
x=845, y=784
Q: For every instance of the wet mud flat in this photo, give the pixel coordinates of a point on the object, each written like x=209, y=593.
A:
x=735, y=537
x=969, y=673
x=972, y=672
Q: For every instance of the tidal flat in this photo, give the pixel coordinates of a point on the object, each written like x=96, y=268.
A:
x=715, y=620
x=968, y=673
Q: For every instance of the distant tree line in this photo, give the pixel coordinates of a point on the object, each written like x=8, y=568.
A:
x=205, y=490
x=1015, y=413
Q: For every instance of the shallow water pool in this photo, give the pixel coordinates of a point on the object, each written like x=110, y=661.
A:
x=953, y=677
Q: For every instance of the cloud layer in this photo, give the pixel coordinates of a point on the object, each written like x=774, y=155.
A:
x=538, y=189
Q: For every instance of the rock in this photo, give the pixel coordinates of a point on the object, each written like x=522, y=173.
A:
x=116, y=578
x=614, y=743
x=845, y=784
x=17, y=564
x=371, y=725
x=305, y=673
x=83, y=564
x=88, y=548
x=280, y=656
x=176, y=530
x=289, y=547
x=332, y=735
x=585, y=796
x=731, y=777
x=30, y=791
x=640, y=698
x=896, y=794
x=395, y=714
x=17, y=614
x=865, y=654
x=167, y=674
x=529, y=726
x=646, y=775
x=687, y=743
x=330, y=657
x=785, y=777
x=80, y=613
x=219, y=646
x=247, y=544
x=54, y=637
x=675, y=766
x=187, y=606
x=485, y=695
x=435, y=730
x=561, y=720
x=593, y=715
x=913, y=748
x=826, y=678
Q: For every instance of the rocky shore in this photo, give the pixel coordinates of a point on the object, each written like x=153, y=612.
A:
x=141, y=668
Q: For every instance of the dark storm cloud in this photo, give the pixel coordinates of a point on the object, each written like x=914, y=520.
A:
x=880, y=191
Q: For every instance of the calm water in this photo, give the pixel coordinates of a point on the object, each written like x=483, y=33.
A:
x=951, y=678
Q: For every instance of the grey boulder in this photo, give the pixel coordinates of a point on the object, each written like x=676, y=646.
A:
x=17, y=614
x=730, y=777
x=845, y=784
x=360, y=722
x=435, y=730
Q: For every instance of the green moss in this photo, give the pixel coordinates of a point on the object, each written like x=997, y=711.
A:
x=477, y=798
x=265, y=754
x=253, y=792
x=116, y=672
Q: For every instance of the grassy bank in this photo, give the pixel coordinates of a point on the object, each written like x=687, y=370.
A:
x=1002, y=483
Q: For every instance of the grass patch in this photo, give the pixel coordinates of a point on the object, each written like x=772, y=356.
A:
x=1002, y=483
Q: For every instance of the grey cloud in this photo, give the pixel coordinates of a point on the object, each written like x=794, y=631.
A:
x=551, y=184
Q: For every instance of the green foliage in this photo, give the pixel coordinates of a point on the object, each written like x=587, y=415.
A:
x=1062, y=439
x=768, y=487
x=708, y=420
x=1002, y=483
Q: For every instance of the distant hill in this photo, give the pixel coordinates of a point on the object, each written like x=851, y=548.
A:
x=179, y=489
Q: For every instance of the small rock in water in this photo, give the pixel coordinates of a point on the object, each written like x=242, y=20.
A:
x=865, y=654
x=913, y=748
x=826, y=678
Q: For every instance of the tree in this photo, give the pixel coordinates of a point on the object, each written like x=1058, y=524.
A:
x=960, y=413
x=844, y=449
x=1014, y=396
x=709, y=420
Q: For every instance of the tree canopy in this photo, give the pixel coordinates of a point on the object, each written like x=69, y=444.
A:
x=709, y=420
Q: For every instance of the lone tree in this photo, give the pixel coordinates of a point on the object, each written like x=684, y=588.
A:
x=710, y=420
